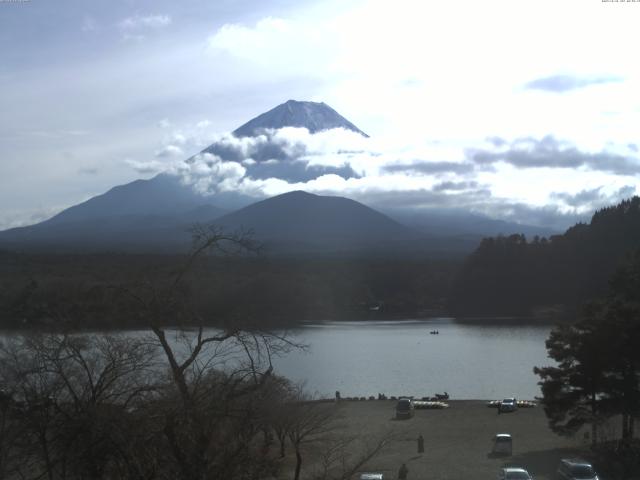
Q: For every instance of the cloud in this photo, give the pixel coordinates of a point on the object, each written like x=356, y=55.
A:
x=429, y=168
x=477, y=199
x=291, y=154
x=552, y=153
x=146, y=167
x=88, y=171
x=134, y=28
x=289, y=158
x=496, y=141
x=22, y=218
x=209, y=174
x=550, y=216
x=138, y=22
x=425, y=199
x=277, y=44
x=454, y=186
x=386, y=175
x=170, y=151
x=591, y=199
x=565, y=83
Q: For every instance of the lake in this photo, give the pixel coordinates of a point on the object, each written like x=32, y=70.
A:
x=401, y=357
x=469, y=361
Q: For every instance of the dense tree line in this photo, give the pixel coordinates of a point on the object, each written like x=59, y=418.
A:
x=78, y=291
x=511, y=275
x=597, y=376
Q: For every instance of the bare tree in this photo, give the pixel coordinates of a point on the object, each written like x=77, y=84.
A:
x=72, y=396
x=211, y=416
x=345, y=456
x=310, y=422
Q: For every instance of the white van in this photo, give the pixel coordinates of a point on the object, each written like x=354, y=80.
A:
x=502, y=444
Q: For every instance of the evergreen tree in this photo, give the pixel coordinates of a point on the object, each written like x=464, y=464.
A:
x=572, y=391
x=598, y=361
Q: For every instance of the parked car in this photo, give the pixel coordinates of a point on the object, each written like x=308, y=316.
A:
x=371, y=476
x=502, y=444
x=404, y=408
x=508, y=405
x=513, y=473
x=576, y=469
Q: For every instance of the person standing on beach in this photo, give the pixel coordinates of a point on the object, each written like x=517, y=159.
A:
x=403, y=472
x=420, y=444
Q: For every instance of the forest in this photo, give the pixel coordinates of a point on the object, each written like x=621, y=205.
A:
x=84, y=291
x=515, y=276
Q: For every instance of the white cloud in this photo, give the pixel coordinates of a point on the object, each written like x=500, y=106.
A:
x=138, y=22
x=21, y=218
x=170, y=151
x=423, y=68
x=148, y=166
x=420, y=175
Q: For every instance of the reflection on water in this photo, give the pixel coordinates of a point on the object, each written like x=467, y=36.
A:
x=470, y=361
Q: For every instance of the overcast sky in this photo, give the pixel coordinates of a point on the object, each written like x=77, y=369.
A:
x=526, y=110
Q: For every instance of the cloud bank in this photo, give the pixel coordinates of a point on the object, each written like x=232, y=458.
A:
x=565, y=83
x=553, y=153
x=394, y=176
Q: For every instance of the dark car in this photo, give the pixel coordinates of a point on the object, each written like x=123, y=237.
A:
x=575, y=469
x=508, y=405
x=404, y=408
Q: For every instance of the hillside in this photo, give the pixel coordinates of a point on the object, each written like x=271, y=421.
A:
x=299, y=222
x=510, y=275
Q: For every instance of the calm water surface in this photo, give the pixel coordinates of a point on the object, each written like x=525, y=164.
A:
x=469, y=361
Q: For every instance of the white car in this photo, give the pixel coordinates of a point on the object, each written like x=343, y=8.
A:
x=514, y=473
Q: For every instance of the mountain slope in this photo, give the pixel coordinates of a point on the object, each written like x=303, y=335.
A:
x=139, y=232
x=161, y=195
x=313, y=116
x=300, y=221
x=455, y=222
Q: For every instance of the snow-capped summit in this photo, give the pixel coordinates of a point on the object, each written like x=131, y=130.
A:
x=313, y=116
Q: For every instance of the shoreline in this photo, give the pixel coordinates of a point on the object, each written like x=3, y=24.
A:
x=272, y=325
